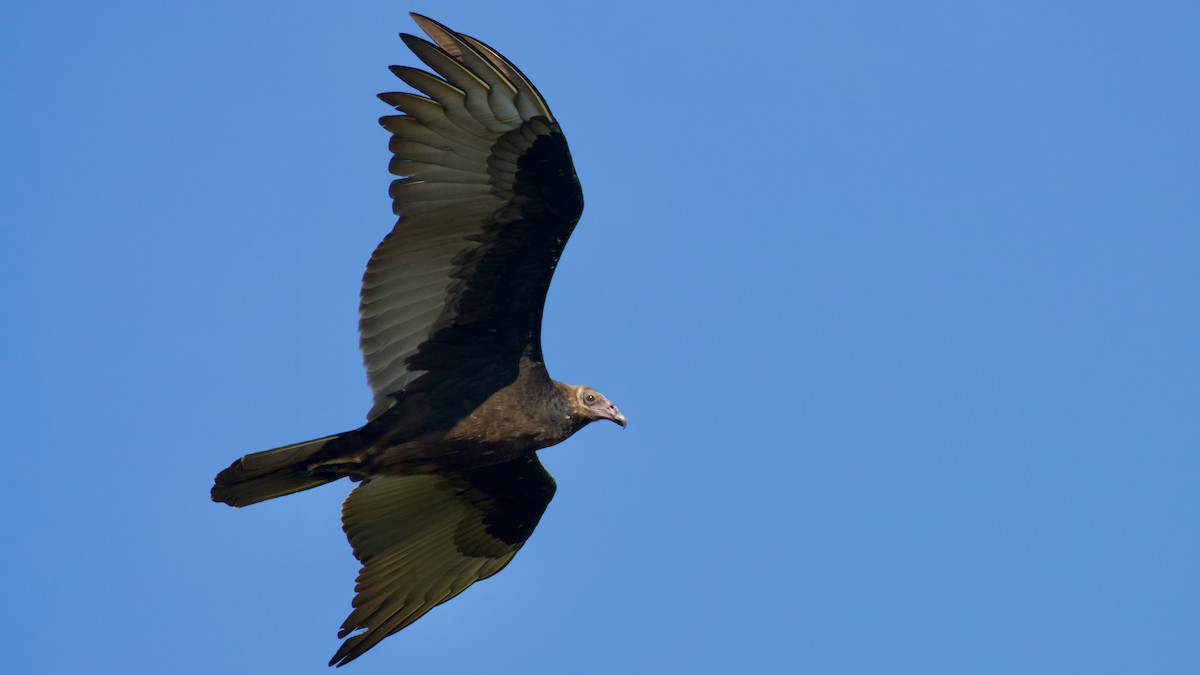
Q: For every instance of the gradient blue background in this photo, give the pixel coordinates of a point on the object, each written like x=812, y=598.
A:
x=901, y=300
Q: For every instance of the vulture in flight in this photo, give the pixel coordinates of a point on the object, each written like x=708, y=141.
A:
x=449, y=483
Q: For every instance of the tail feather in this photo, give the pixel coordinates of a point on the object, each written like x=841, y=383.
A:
x=272, y=473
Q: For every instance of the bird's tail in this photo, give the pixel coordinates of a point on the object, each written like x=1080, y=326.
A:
x=271, y=473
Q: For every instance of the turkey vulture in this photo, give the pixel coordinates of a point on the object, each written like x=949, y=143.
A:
x=450, y=485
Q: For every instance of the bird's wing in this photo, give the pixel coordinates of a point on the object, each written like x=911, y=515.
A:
x=487, y=199
x=424, y=539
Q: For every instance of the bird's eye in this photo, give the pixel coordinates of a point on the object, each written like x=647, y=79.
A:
x=590, y=398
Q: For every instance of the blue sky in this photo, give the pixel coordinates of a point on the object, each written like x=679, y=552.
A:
x=900, y=301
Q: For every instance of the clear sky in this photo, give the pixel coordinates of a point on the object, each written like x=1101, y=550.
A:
x=901, y=301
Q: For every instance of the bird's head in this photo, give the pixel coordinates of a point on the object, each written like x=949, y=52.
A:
x=592, y=406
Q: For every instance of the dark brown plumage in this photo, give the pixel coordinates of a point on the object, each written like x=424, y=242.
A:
x=450, y=329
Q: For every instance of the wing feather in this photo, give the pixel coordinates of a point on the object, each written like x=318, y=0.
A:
x=411, y=130
x=529, y=101
x=475, y=95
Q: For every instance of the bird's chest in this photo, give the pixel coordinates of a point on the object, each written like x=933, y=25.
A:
x=507, y=425
x=501, y=427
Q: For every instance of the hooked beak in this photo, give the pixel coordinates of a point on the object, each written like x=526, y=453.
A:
x=617, y=417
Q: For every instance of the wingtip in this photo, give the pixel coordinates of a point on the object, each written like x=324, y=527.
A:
x=346, y=653
x=429, y=25
x=409, y=39
x=446, y=38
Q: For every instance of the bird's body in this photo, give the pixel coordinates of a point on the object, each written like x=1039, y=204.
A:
x=416, y=436
x=450, y=325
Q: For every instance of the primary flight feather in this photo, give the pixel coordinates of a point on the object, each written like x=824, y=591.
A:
x=450, y=486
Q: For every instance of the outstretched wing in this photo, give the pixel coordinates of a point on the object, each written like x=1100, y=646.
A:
x=424, y=539
x=487, y=199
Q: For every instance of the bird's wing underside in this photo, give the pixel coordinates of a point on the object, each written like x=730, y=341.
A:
x=486, y=201
x=424, y=539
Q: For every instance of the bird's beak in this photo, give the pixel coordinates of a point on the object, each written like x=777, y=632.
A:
x=618, y=418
